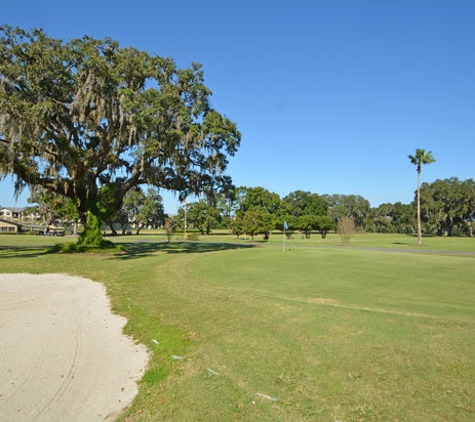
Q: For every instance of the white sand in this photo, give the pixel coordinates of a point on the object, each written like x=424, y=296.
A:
x=63, y=356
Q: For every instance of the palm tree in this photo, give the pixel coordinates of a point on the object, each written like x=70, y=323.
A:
x=422, y=157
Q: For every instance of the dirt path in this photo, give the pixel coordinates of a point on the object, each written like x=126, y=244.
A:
x=63, y=356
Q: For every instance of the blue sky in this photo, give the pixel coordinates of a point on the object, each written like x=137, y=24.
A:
x=330, y=96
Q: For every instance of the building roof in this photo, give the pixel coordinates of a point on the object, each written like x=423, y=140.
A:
x=13, y=209
x=13, y=223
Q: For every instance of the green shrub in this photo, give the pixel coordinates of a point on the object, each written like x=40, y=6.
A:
x=193, y=236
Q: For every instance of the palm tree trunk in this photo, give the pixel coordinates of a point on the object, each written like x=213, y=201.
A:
x=419, y=223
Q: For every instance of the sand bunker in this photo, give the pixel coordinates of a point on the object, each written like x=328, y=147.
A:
x=63, y=356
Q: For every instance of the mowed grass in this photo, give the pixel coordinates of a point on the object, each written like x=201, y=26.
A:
x=380, y=330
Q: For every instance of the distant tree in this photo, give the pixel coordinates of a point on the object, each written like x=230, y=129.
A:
x=53, y=207
x=420, y=158
x=90, y=121
x=134, y=200
x=260, y=198
x=253, y=222
x=140, y=210
x=394, y=218
x=237, y=198
x=346, y=228
x=121, y=219
x=380, y=222
x=306, y=223
x=201, y=215
x=226, y=207
x=448, y=206
x=305, y=208
x=354, y=206
x=152, y=212
x=324, y=224
x=292, y=224
x=261, y=201
x=306, y=203
x=237, y=224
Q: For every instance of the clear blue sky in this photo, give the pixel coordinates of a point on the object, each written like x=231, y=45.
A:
x=330, y=96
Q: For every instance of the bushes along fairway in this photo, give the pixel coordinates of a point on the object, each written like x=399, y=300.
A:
x=319, y=333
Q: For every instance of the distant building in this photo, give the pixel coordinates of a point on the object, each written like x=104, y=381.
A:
x=12, y=213
x=18, y=214
x=15, y=220
x=10, y=226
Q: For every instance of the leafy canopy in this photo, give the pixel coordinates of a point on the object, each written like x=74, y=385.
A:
x=421, y=157
x=90, y=120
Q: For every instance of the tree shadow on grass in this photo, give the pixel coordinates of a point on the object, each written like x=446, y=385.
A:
x=23, y=251
x=140, y=249
x=132, y=250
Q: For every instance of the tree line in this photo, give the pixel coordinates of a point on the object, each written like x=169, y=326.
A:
x=447, y=209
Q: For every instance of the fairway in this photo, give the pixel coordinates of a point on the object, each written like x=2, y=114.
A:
x=321, y=332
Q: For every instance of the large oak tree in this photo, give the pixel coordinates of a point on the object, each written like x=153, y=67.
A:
x=90, y=120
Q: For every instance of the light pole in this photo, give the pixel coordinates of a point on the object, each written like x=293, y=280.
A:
x=185, y=217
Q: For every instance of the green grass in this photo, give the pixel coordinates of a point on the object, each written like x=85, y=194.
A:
x=378, y=330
